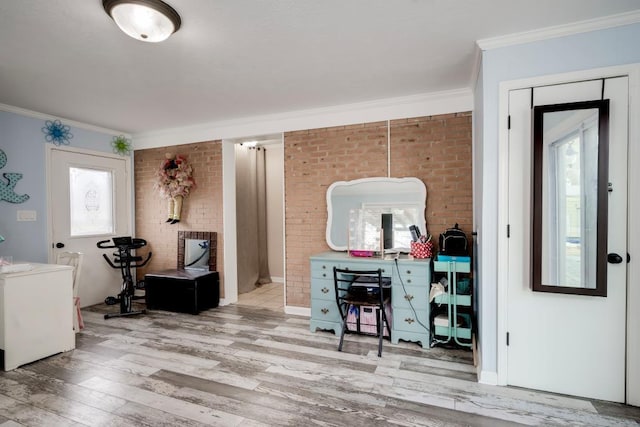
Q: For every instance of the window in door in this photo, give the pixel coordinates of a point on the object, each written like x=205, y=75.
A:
x=91, y=202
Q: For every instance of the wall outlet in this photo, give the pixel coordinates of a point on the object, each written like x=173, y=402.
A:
x=27, y=215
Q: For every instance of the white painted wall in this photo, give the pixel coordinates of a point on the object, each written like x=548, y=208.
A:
x=24, y=143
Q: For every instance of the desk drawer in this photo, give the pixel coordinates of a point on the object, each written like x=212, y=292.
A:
x=405, y=320
x=416, y=274
x=417, y=295
x=322, y=270
x=323, y=289
x=325, y=310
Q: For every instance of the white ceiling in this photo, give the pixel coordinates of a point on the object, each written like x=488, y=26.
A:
x=240, y=58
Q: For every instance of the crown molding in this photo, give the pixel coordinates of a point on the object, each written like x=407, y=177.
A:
x=611, y=21
x=75, y=124
x=366, y=112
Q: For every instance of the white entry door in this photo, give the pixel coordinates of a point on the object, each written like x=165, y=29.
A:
x=89, y=201
x=562, y=342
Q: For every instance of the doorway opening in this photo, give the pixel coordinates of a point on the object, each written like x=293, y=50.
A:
x=259, y=212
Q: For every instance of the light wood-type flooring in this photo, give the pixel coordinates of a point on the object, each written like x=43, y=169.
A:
x=270, y=295
x=247, y=366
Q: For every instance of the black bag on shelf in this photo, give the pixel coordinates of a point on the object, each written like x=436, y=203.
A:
x=453, y=242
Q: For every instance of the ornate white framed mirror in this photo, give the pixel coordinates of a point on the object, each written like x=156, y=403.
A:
x=403, y=198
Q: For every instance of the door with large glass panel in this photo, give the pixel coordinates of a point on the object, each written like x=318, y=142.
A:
x=567, y=278
x=89, y=201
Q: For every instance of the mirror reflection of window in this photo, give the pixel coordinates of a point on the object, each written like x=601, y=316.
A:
x=572, y=200
x=378, y=193
x=364, y=230
x=196, y=254
x=569, y=233
x=365, y=226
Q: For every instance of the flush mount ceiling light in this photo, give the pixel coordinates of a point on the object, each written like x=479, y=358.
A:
x=145, y=20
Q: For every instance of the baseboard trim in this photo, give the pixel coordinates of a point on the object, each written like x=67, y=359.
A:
x=488, y=377
x=298, y=311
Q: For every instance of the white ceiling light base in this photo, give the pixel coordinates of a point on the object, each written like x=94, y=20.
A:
x=144, y=20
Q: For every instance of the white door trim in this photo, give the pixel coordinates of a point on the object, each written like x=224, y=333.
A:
x=633, y=292
x=129, y=196
x=230, y=248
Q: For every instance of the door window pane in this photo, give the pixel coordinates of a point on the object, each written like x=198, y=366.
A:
x=91, y=196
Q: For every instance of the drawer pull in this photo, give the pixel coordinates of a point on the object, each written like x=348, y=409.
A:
x=408, y=297
x=324, y=310
x=324, y=274
x=408, y=280
x=409, y=320
x=324, y=267
x=325, y=290
x=408, y=271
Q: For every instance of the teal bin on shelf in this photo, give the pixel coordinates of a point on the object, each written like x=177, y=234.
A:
x=463, y=286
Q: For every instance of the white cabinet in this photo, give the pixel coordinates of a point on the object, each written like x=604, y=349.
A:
x=36, y=314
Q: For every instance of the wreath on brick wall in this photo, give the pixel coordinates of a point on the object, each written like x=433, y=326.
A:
x=174, y=178
x=174, y=181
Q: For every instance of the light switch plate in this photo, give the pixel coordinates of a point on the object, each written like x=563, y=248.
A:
x=27, y=215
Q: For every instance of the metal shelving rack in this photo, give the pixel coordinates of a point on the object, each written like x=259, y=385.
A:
x=444, y=334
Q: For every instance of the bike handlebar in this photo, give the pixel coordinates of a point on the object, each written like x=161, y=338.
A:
x=130, y=265
x=122, y=242
x=123, y=256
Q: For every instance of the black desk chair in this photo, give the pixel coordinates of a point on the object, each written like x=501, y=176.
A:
x=362, y=288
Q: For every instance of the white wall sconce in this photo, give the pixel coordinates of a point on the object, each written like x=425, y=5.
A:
x=144, y=20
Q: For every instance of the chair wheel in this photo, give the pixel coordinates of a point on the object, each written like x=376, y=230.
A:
x=111, y=300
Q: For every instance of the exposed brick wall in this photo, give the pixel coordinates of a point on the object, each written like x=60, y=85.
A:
x=201, y=211
x=436, y=149
x=313, y=160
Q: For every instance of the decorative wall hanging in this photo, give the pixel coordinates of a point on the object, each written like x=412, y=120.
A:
x=6, y=188
x=174, y=181
x=56, y=132
x=121, y=145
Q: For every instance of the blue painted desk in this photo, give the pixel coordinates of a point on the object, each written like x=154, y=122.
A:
x=410, y=283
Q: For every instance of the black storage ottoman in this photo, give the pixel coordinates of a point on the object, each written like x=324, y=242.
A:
x=185, y=291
